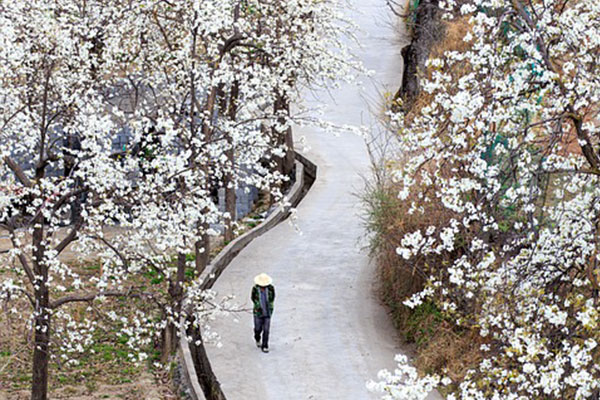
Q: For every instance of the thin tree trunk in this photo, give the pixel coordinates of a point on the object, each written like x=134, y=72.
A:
x=39, y=387
x=206, y=376
x=230, y=184
x=289, y=159
x=69, y=162
x=176, y=298
x=41, y=351
x=284, y=138
x=202, y=251
x=230, y=207
x=202, y=246
x=41, y=355
x=230, y=195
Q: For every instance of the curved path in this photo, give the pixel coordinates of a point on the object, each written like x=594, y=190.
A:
x=329, y=333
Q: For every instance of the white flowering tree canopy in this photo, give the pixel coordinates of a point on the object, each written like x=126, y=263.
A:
x=509, y=148
x=62, y=186
x=202, y=90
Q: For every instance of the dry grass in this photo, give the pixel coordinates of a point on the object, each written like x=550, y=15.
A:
x=104, y=370
x=449, y=351
x=440, y=345
x=106, y=373
x=454, y=33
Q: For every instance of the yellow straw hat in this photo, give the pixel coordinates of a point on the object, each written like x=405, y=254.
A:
x=263, y=279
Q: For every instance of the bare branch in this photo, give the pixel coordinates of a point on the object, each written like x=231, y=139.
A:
x=21, y=256
x=71, y=236
x=393, y=5
x=115, y=250
x=18, y=171
x=66, y=197
x=87, y=297
x=29, y=296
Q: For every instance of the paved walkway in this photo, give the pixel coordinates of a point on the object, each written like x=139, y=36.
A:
x=329, y=334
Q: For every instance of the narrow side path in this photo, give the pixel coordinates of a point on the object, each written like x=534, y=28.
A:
x=329, y=333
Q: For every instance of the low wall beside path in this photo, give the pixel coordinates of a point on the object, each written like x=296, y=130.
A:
x=198, y=378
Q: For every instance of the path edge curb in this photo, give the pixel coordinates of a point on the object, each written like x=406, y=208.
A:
x=198, y=376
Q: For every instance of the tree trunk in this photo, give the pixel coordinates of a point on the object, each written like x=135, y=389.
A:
x=230, y=208
x=168, y=343
x=427, y=30
x=202, y=252
x=206, y=376
x=230, y=195
x=39, y=387
x=202, y=246
x=289, y=159
x=176, y=298
x=72, y=142
x=284, y=138
x=41, y=354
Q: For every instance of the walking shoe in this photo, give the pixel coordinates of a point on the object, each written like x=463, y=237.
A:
x=258, y=343
x=265, y=349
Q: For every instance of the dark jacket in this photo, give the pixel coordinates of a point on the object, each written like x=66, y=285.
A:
x=255, y=297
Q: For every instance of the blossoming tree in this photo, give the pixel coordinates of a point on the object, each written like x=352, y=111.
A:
x=203, y=89
x=232, y=69
x=508, y=147
x=57, y=160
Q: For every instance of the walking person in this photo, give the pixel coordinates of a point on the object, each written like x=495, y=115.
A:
x=263, y=296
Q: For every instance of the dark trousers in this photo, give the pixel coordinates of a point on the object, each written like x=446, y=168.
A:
x=262, y=326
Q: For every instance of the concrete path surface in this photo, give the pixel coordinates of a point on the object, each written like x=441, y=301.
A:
x=329, y=333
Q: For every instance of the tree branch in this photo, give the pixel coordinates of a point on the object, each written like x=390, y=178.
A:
x=392, y=6
x=115, y=250
x=69, y=238
x=21, y=256
x=532, y=26
x=586, y=147
x=29, y=296
x=87, y=297
x=18, y=171
x=67, y=196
